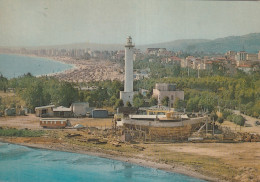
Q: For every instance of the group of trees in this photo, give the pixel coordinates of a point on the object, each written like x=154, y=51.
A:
x=46, y=90
x=106, y=94
x=242, y=92
x=43, y=91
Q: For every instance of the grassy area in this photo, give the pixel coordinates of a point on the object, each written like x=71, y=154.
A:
x=204, y=164
x=20, y=133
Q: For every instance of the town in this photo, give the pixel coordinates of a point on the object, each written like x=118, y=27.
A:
x=139, y=90
x=129, y=100
x=91, y=63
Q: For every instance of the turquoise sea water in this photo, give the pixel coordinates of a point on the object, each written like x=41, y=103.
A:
x=19, y=163
x=14, y=66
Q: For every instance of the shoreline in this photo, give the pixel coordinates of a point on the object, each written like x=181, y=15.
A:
x=83, y=70
x=73, y=66
x=184, y=170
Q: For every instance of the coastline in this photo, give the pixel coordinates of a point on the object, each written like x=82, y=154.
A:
x=184, y=170
x=73, y=66
x=83, y=70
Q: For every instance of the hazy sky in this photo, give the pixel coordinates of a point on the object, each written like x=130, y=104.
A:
x=39, y=22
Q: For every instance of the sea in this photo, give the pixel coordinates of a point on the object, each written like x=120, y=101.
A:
x=21, y=163
x=15, y=65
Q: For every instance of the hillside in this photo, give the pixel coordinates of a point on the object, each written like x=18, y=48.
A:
x=249, y=43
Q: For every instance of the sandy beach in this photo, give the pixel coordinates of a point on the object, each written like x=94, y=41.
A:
x=85, y=70
x=88, y=70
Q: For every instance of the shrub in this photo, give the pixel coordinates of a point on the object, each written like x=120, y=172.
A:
x=20, y=133
x=220, y=120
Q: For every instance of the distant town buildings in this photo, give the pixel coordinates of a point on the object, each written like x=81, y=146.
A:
x=231, y=60
x=241, y=56
x=251, y=57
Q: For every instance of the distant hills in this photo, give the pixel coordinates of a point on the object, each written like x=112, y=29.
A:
x=249, y=43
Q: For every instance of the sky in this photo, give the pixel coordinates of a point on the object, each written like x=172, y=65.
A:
x=55, y=22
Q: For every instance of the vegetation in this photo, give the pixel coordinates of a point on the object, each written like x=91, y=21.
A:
x=215, y=89
x=165, y=101
x=119, y=103
x=128, y=104
x=20, y=133
x=3, y=83
x=138, y=100
x=43, y=91
x=240, y=91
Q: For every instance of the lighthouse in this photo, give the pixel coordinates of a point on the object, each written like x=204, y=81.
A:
x=128, y=93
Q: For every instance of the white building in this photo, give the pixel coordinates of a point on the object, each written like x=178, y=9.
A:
x=251, y=57
x=241, y=56
x=80, y=108
x=128, y=93
x=167, y=90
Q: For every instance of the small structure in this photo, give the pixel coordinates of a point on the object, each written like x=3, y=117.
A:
x=44, y=111
x=10, y=112
x=61, y=111
x=54, y=123
x=99, y=113
x=80, y=109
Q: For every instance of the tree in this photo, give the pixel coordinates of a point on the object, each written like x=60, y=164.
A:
x=230, y=118
x=119, y=103
x=3, y=83
x=226, y=113
x=128, y=104
x=220, y=120
x=112, y=100
x=0, y=104
x=81, y=97
x=213, y=116
x=165, y=101
x=178, y=103
x=153, y=101
x=33, y=95
x=239, y=120
x=65, y=95
x=138, y=100
x=192, y=104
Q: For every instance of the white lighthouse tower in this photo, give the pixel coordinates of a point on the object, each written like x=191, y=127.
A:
x=128, y=93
